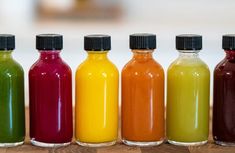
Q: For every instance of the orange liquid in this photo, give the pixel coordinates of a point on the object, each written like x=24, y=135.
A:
x=143, y=99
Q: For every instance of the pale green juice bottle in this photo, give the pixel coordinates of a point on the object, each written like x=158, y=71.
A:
x=188, y=90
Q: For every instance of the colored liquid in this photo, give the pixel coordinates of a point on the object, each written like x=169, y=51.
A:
x=12, y=115
x=50, y=89
x=142, y=99
x=224, y=100
x=188, y=89
x=96, y=100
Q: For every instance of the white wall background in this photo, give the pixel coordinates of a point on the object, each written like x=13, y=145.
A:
x=166, y=18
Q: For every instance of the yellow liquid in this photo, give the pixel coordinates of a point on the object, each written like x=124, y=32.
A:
x=188, y=92
x=96, y=100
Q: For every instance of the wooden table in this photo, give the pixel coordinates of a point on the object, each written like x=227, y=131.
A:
x=119, y=147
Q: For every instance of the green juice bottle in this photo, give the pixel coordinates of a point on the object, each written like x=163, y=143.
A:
x=12, y=115
x=188, y=90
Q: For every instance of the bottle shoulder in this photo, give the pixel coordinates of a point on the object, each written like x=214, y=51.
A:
x=182, y=65
x=58, y=66
x=11, y=67
x=142, y=66
x=89, y=66
x=225, y=66
x=147, y=69
x=191, y=62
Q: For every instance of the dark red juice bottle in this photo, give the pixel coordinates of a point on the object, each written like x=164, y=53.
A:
x=50, y=93
x=224, y=96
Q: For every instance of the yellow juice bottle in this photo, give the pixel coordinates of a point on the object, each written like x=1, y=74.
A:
x=188, y=94
x=96, y=114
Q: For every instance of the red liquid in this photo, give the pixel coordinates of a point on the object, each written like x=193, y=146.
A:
x=50, y=92
x=224, y=99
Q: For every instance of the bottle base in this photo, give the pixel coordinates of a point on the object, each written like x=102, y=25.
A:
x=223, y=143
x=177, y=143
x=48, y=145
x=142, y=144
x=14, y=144
x=104, y=144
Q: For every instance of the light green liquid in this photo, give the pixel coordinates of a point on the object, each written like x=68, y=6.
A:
x=188, y=89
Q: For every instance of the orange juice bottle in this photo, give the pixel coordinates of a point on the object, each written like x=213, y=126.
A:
x=142, y=95
x=96, y=95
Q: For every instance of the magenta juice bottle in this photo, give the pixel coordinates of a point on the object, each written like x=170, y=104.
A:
x=224, y=96
x=50, y=93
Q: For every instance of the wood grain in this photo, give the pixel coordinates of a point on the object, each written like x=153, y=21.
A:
x=210, y=147
x=165, y=148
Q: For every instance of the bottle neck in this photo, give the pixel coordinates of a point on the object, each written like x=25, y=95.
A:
x=4, y=55
x=49, y=55
x=97, y=55
x=189, y=54
x=230, y=54
x=142, y=54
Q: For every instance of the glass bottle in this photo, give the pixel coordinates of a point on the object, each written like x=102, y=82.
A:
x=142, y=95
x=50, y=95
x=224, y=96
x=96, y=95
x=12, y=111
x=188, y=92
